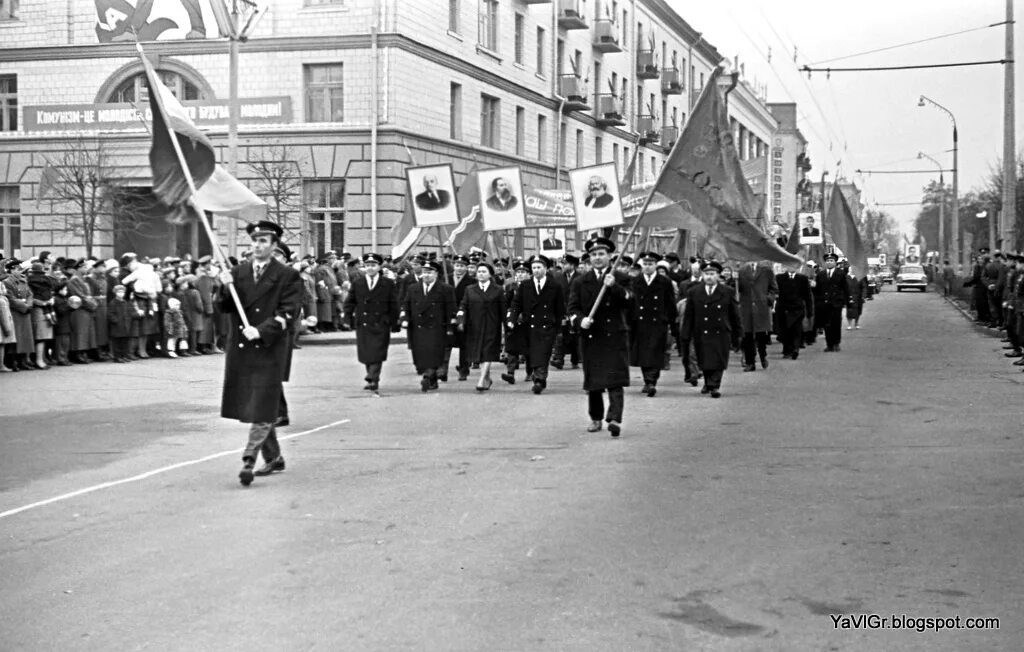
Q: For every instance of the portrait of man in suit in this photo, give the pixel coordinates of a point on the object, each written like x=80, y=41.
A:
x=810, y=234
x=432, y=198
x=597, y=193
x=501, y=198
x=552, y=241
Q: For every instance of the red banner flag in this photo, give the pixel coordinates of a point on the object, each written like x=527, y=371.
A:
x=840, y=224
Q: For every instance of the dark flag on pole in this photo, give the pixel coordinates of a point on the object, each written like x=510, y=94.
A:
x=170, y=184
x=703, y=176
x=843, y=229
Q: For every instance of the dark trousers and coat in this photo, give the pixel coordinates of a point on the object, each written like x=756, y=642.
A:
x=757, y=292
x=831, y=294
x=373, y=313
x=794, y=304
x=482, y=315
x=653, y=314
x=712, y=322
x=540, y=315
x=430, y=318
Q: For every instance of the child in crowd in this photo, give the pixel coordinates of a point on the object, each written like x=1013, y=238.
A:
x=174, y=327
x=119, y=317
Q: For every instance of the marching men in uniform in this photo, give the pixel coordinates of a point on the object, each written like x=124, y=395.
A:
x=604, y=338
x=757, y=291
x=794, y=305
x=712, y=322
x=271, y=295
x=831, y=294
x=539, y=306
x=428, y=313
x=461, y=279
x=372, y=309
x=654, y=313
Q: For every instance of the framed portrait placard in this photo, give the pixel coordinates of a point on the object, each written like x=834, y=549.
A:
x=502, y=205
x=810, y=229
x=595, y=195
x=552, y=242
x=432, y=189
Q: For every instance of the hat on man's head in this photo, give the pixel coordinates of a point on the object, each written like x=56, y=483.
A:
x=537, y=258
x=203, y=260
x=263, y=227
x=652, y=256
x=625, y=260
x=571, y=259
x=983, y=250
x=11, y=263
x=830, y=256
x=585, y=258
x=672, y=257
x=460, y=258
x=712, y=264
x=284, y=249
x=371, y=257
x=518, y=265
x=600, y=242
x=432, y=264
x=663, y=264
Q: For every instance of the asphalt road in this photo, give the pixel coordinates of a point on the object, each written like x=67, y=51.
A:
x=883, y=480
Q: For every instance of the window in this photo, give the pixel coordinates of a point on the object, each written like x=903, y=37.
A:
x=8, y=102
x=625, y=155
x=8, y=9
x=654, y=167
x=598, y=147
x=455, y=112
x=625, y=29
x=520, y=131
x=453, y=16
x=135, y=89
x=562, y=139
x=579, y=148
x=324, y=93
x=487, y=34
x=10, y=221
x=560, y=57
x=541, y=44
x=520, y=40
x=325, y=214
x=615, y=155
x=542, y=137
x=490, y=133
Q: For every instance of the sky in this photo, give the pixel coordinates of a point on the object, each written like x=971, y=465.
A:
x=871, y=120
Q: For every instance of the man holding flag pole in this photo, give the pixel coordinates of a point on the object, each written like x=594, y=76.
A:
x=266, y=294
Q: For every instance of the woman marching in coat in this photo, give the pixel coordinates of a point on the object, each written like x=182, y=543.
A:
x=480, y=316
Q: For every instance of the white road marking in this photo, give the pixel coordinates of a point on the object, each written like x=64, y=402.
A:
x=149, y=474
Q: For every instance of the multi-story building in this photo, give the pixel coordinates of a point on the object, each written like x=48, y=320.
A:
x=790, y=188
x=337, y=97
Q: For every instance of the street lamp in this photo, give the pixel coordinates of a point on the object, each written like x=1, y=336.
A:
x=955, y=226
x=942, y=205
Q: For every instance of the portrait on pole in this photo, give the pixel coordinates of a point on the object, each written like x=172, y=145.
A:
x=432, y=188
x=502, y=204
x=595, y=194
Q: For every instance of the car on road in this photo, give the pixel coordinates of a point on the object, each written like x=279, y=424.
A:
x=885, y=277
x=911, y=276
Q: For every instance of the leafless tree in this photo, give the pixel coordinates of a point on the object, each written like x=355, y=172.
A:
x=278, y=181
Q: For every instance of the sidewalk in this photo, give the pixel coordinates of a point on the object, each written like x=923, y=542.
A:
x=343, y=338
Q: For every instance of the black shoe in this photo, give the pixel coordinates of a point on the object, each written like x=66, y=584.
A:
x=749, y=367
x=1014, y=354
x=1019, y=363
x=368, y=386
x=836, y=348
x=652, y=391
x=537, y=387
x=795, y=355
x=463, y=375
x=705, y=390
x=829, y=349
x=693, y=382
x=764, y=361
x=273, y=466
x=594, y=426
x=558, y=364
x=281, y=422
x=425, y=385
x=716, y=394
x=509, y=378
x=647, y=389
x=575, y=365
x=442, y=377
x=614, y=429
x=245, y=475
x=434, y=385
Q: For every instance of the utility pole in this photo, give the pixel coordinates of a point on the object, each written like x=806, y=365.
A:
x=1009, y=140
x=943, y=253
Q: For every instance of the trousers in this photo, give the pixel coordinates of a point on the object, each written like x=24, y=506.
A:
x=651, y=375
x=713, y=379
x=373, y=372
x=262, y=439
x=595, y=405
x=749, y=340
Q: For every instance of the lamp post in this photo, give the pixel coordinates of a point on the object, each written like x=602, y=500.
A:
x=955, y=225
x=942, y=205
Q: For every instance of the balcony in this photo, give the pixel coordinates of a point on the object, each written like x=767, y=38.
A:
x=650, y=131
x=609, y=111
x=570, y=14
x=803, y=162
x=574, y=90
x=672, y=81
x=606, y=36
x=669, y=136
x=647, y=65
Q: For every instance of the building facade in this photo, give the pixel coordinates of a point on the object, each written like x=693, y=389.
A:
x=336, y=98
x=791, y=189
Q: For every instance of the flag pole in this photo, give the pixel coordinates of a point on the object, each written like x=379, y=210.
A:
x=194, y=201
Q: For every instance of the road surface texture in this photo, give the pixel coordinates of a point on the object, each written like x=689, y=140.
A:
x=885, y=479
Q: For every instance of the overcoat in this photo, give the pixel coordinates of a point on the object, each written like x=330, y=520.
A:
x=207, y=286
x=795, y=300
x=830, y=294
x=541, y=317
x=374, y=315
x=482, y=314
x=605, y=345
x=98, y=288
x=758, y=291
x=713, y=323
x=119, y=318
x=855, y=305
x=326, y=288
x=254, y=370
x=83, y=326
x=654, y=312
x=20, y=297
x=430, y=318
x=460, y=291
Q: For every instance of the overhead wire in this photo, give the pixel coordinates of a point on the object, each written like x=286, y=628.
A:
x=902, y=45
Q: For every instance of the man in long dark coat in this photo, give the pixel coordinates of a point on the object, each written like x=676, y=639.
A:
x=653, y=314
x=539, y=306
x=711, y=321
x=757, y=290
x=831, y=294
x=257, y=355
x=461, y=279
x=428, y=313
x=794, y=304
x=566, y=340
x=371, y=307
x=604, y=337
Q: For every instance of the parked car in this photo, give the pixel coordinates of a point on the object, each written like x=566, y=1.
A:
x=885, y=276
x=911, y=276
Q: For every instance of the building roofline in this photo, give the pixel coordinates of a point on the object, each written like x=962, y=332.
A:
x=674, y=21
